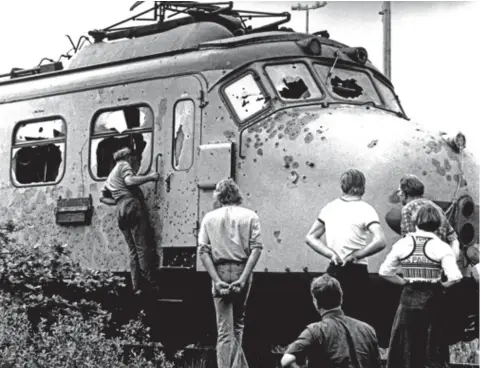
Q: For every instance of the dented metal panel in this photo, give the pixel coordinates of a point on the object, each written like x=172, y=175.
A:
x=214, y=164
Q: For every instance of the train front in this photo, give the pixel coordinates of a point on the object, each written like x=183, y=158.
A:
x=306, y=109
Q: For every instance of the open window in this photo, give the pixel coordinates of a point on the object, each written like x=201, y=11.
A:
x=183, y=134
x=293, y=81
x=130, y=126
x=246, y=97
x=348, y=84
x=38, y=152
x=389, y=98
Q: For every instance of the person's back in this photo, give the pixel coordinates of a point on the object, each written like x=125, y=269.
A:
x=337, y=341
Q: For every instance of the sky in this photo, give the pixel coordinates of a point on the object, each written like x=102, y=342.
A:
x=433, y=45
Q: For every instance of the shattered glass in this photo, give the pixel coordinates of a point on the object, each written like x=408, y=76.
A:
x=183, y=135
x=246, y=97
x=116, y=129
x=293, y=81
x=38, y=154
x=350, y=85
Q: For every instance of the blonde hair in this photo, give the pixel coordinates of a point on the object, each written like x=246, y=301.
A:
x=122, y=154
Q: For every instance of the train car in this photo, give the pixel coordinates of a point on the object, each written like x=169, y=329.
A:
x=202, y=97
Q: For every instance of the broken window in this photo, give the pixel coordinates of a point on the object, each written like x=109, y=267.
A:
x=293, y=81
x=246, y=97
x=129, y=126
x=183, y=128
x=38, y=154
x=390, y=101
x=347, y=84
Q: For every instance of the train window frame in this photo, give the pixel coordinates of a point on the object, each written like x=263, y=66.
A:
x=310, y=69
x=92, y=136
x=379, y=85
x=229, y=105
x=339, y=99
x=62, y=140
x=173, y=134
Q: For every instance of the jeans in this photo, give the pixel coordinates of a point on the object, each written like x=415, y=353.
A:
x=230, y=312
x=134, y=223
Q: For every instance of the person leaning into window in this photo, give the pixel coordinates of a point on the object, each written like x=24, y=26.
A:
x=122, y=189
x=349, y=223
x=229, y=247
x=417, y=339
x=337, y=340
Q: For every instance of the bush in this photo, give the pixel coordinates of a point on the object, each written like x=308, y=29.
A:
x=49, y=316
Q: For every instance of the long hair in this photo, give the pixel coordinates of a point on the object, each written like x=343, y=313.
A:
x=353, y=182
x=227, y=192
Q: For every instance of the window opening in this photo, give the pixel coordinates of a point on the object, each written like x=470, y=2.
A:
x=130, y=126
x=350, y=85
x=246, y=97
x=293, y=81
x=183, y=134
x=38, y=153
x=391, y=102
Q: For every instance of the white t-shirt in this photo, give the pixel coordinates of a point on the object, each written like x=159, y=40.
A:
x=347, y=223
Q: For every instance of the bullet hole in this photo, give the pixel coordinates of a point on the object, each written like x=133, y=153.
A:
x=310, y=164
x=249, y=140
x=293, y=177
x=254, y=160
x=449, y=177
x=229, y=134
x=324, y=138
x=373, y=143
x=276, y=233
x=435, y=162
x=346, y=88
x=308, y=138
x=295, y=165
x=279, y=240
x=260, y=152
x=447, y=165
x=424, y=173
x=288, y=161
x=280, y=127
x=281, y=135
x=294, y=88
x=277, y=144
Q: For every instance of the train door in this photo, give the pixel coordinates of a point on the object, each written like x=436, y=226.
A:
x=181, y=133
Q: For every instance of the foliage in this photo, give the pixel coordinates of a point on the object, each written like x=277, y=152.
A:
x=49, y=315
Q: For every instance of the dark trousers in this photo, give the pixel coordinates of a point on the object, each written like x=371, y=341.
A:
x=417, y=339
x=355, y=283
x=134, y=223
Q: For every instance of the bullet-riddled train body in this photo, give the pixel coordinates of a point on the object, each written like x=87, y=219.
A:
x=281, y=112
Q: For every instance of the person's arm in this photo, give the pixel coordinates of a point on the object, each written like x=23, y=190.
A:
x=300, y=347
x=375, y=361
x=449, y=264
x=390, y=266
x=376, y=245
x=106, y=197
x=313, y=240
x=133, y=180
x=289, y=360
x=205, y=253
x=407, y=225
x=255, y=244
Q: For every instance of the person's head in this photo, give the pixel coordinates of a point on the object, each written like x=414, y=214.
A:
x=353, y=182
x=427, y=218
x=123, y=154
x=326, y=292
x=410, y=187
x=227, y=193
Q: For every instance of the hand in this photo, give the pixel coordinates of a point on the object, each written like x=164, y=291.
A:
x=155, y=176
x=349, y=259
x=222, y=288
x=336, y=260
x=237, y=286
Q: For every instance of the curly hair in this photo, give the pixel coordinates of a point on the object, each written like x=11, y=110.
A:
x=353, y=182
x=122, y=154
x=412, y=186
x=227, y=192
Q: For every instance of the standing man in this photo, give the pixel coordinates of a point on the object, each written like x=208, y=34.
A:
x=411, y=194
x=349, y=223
x=122, y=189
x=229, y=247
x=336, y=341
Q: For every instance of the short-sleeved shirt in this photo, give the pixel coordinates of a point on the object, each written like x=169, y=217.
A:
x=116, y=180
x=229, y=234
x=435, y=250
x=445, y=232
x=326, y=343
x=347, y=225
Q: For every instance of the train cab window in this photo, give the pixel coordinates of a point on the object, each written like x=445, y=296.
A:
x=390, y=101
x=293, y=81
x=245, y=97
x=183, y=129
x=348, y=84
x=130, y=126
x=38, y=152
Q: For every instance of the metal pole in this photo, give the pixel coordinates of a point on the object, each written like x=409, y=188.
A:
x=307, y=8
x=387, y=39
x=307, y=20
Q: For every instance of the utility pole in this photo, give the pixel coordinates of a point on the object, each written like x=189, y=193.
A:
x=307, y=8
x=387, y=39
